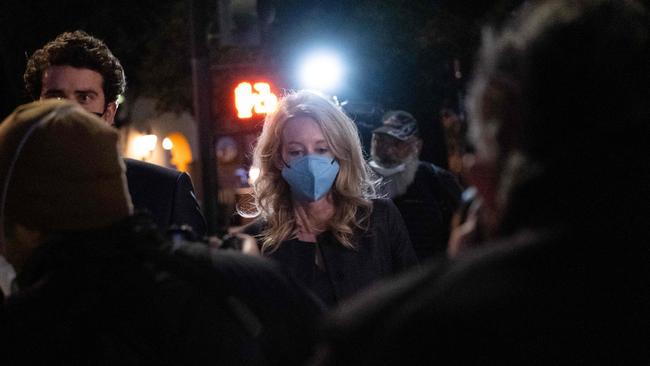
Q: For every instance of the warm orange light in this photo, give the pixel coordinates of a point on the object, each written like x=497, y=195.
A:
x=266, y=101
x=256, y=98
x=244, y=100
x=181, y=153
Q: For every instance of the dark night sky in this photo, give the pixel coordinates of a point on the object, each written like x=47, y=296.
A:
x=27, y=25
x=399, y=52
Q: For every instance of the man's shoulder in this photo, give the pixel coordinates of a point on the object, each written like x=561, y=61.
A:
x=198, y=253
x=381, y=203
x=501, y=261
x=438, y=279
x=142, y=168
x=414, y=312
x=440, y=177
x=426, y=167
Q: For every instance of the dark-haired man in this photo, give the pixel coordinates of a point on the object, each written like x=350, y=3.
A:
x=79, y=67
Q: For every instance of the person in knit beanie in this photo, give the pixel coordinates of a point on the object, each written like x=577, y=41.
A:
x=60, y=171
x=98, y=285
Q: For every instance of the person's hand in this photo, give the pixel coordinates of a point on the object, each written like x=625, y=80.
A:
x=467, y=234
x=249, y=245
x=236, y=241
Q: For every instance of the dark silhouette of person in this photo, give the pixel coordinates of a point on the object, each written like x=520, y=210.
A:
x=560, y=120
x=97, y=285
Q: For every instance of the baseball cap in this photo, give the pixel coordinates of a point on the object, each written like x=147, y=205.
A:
x=399, y=124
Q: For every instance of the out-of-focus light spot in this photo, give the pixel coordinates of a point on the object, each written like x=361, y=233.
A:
x=322, y=70
x=266, y=101
x=253, y=174
x=254, y=98
x=167, y=144
x=181, y=153
x=244, y=100
x=144, y=145
x=457, y=73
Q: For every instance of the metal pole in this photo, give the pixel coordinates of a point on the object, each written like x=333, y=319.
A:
x=201, y=92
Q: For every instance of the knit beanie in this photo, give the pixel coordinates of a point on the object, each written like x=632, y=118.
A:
x=60, y=169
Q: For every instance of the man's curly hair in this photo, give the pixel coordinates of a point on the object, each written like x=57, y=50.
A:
x=76, y=49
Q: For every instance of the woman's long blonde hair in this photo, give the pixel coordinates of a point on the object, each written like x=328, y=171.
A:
x=352, y=190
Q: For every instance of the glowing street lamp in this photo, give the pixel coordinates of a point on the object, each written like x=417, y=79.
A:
x=321, y=70
x=167, y=144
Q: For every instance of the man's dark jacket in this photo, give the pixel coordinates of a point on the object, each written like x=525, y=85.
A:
x=427, y=208
x=167, y=194
x=121, y=296
x=537, y=298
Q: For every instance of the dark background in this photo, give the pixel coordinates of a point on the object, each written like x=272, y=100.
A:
x=401, y=53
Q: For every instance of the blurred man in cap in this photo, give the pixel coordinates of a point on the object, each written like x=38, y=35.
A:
x=425, y=194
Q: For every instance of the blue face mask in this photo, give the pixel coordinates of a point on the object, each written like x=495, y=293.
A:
x=311, y=177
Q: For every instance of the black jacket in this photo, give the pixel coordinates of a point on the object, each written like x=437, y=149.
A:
x=383, y=250
x=121, y=296
x=167, y=194
x=427, y=208
x=537, y=298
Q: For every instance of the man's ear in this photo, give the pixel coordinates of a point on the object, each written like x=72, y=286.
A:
x=110, y=112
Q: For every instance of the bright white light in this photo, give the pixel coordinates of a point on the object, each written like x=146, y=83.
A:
x=253, y=174
x=143, y=145
x=167, y=143
x=149, y=142
x=321, y=71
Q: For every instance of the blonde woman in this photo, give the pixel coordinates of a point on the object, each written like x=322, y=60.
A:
x=315, y=199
